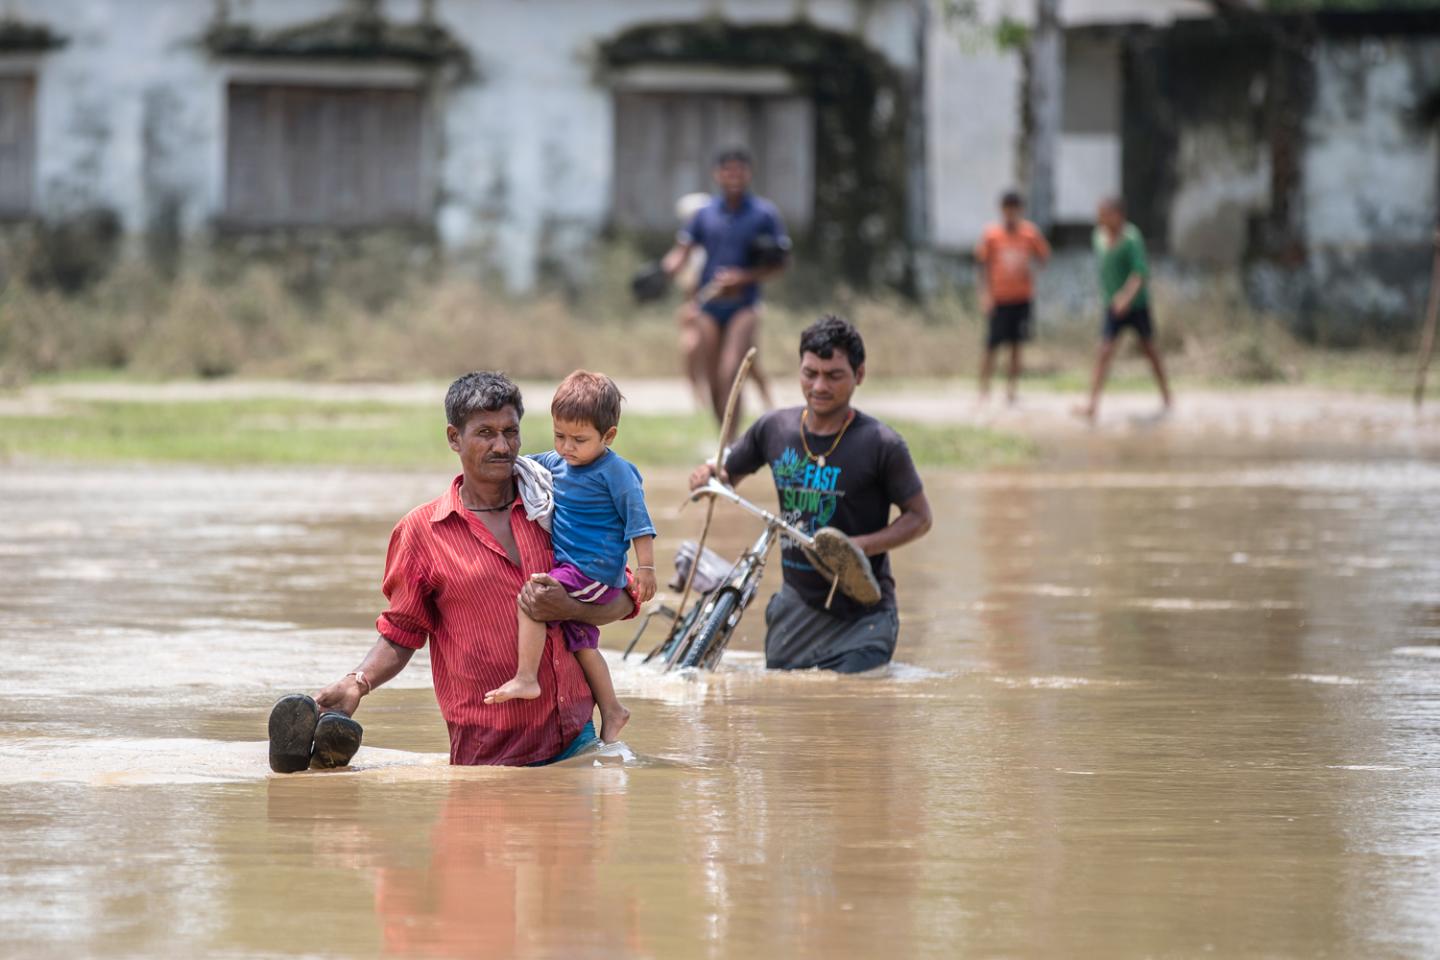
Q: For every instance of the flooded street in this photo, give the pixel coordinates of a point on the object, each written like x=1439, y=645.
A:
x=1175, y=703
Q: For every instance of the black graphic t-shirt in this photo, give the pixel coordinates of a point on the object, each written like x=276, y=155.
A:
x=869, y=470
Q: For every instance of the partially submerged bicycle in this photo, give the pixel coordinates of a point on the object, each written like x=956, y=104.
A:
x=698, y=637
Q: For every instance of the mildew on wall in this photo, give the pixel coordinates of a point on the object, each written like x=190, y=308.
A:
x=1298, y=151
x=131, y=109
x=1371, y=184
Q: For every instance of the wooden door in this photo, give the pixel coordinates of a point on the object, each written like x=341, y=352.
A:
x=17, y=145
x=325, y=156
x=665, y=144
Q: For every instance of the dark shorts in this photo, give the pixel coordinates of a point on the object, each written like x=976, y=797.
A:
x=1009, y=323
x=800, y=637
x=582, y=636
x=1136, y=318
x=723, y=311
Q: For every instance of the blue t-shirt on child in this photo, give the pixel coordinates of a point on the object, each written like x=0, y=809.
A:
x=599, y=509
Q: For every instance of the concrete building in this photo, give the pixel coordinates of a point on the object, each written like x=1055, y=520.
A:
x=518, y=131
x=516, y=135
x=976, y=105
x=1301, y=151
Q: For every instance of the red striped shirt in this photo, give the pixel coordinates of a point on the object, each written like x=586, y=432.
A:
x=450, y=581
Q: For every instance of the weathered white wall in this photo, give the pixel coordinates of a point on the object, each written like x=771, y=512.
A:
x=1370, y=170
x=131, y=112
x=1076, y=13
x=1155, y=12
x=1223, y=178
x=123, y=110
x=1089, y=164
x=973, y=104
x=528, y=152
x=1370, y=175
x=974, y=101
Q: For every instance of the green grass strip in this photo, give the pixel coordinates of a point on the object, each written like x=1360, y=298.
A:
x=273, y=432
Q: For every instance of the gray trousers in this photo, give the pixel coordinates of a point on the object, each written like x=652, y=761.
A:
x=800, y=637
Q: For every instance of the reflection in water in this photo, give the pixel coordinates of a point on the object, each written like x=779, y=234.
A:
x=492, y=867
x=1160, y=710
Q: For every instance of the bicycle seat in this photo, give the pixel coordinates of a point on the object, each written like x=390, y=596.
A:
x=714, y=569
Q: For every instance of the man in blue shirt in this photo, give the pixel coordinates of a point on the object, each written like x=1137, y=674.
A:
x=745, y=245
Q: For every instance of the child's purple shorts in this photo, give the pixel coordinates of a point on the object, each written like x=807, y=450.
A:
x=582, y=636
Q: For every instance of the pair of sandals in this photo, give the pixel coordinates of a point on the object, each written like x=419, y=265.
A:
x=302, y=737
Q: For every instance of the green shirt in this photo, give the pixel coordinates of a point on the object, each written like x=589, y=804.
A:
x=1118, y=262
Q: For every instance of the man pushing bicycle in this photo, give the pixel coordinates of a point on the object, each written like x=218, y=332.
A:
x=833, y=466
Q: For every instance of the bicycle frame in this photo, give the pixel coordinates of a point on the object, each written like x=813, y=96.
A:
x=741, y=582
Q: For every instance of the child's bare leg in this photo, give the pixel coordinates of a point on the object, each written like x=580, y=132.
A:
x=762, y=383
x=1097, y=383
x=525, y=685
x=987, y=367
x=613, y=715
x=1155, y=364
x=1014, y=378
x=692, y=362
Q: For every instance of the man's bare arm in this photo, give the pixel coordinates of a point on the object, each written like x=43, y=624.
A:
x=701, y=475
x=912, y=524
x=982, y=281
x=381, y=664
x=544, y=599
x=1126, y=294
x=676, y=257
x=733, y=278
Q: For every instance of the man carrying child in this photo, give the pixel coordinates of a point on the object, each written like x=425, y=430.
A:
x=456, y=570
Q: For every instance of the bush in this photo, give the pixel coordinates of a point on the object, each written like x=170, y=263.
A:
x=384, y=315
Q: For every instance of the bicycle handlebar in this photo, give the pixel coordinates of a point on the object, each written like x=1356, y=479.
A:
x=714, y=488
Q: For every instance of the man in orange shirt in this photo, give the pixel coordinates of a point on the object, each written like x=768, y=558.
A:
x=1006, y=252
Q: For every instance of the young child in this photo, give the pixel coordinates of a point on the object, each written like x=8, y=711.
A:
x=599, y=512
x=1007, y=254
x=1124, y=281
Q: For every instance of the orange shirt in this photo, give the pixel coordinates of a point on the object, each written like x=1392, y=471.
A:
x=1006, y=256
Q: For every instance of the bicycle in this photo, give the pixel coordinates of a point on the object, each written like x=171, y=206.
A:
x=698, y=638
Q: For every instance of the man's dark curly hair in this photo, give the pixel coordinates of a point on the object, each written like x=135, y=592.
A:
x=831, y=333
x=487, y=390
x=733, y=154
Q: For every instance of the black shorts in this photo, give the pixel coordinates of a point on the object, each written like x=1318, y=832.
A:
x=1136, y=318
x=1009, y=323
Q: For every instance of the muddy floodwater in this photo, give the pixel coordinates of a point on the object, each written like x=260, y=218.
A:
x=1178, y=703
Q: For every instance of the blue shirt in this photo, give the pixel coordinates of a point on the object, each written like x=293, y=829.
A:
x=599, y=509
x=727, y=235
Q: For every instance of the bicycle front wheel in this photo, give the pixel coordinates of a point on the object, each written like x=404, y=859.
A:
x=713, y=630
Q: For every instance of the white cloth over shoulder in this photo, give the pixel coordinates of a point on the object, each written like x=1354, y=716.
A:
x=537, y=490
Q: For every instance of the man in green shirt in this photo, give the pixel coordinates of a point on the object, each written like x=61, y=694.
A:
x=1124, y=279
